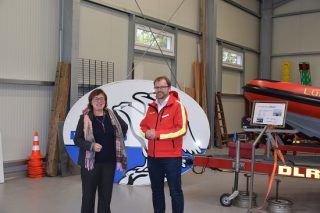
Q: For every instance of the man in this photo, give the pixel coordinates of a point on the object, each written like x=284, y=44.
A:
x=164, y=126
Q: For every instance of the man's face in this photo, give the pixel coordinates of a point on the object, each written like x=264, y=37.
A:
x=162, y=89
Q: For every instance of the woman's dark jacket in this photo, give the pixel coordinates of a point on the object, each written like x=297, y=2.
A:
x=86, y=145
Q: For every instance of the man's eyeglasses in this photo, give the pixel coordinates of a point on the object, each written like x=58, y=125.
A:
x=97, y=99
x=161, y=87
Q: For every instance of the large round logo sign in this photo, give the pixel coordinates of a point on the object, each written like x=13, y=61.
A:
x=130, y=100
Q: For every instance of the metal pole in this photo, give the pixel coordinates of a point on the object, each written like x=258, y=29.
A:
x=252, y=166
x=268, y=148
x=237, y=166
x=277, y=189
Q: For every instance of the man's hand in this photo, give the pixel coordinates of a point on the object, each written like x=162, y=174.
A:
x=151, y=134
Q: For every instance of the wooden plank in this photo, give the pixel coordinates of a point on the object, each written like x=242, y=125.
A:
x=54, y=98
x=203, y=61
x=59, y=112
x=68, y=167
x=190, y=91
x=55, y=94
x=196, y=68
x=203, y=88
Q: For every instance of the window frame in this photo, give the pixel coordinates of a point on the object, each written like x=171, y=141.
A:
x=143, y=47
x=231, y=65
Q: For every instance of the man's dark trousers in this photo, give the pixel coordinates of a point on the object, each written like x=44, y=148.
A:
x=159, y=168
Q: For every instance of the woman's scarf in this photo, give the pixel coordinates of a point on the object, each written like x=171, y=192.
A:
x=120, y=147
x=88, y=136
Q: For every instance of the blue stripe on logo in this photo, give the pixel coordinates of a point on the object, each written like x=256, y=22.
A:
x=72, y=133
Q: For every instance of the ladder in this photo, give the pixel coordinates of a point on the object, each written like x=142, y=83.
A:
x=220, y=122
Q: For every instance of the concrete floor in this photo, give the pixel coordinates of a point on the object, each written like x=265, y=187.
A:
x=202, y=192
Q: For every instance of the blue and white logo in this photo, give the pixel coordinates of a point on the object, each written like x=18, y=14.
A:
x=130, y=99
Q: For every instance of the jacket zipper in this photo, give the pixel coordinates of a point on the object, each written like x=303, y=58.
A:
x=162, y=111
x=154, y=140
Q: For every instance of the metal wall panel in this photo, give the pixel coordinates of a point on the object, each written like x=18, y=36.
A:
x=294, y=34
x=295, y=39
x=297, y=6
x=23, y=110
x=253, y=5
x=314, y=61
x=187, y=16
x=103, y=35
x=186, y=55
x=237, y=26
x=29, y=39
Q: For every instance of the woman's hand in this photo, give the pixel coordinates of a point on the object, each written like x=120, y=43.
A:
x=119, y=167
x=97, y=147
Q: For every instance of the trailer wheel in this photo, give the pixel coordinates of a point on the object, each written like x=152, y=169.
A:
x=224, y=201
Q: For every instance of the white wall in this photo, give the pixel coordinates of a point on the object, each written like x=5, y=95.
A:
x=294, y=62
x=297, y=34
x=148, y=68
x=29, y=50
x=23, y=110
x=187, y=15
x=29, y=39
x=241, y=28
x=186, y=55
x=237, y=26
x=103, y=35
x=297, y=6
x=252, y=5
x=234, y=107
x=251, y=65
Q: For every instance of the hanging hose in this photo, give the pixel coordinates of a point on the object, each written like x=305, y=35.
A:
x=203, y=169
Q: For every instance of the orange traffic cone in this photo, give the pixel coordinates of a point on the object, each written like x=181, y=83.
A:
x=35, y=147
x=35, y=163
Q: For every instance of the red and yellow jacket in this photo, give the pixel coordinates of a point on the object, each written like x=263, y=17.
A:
x=170, y=126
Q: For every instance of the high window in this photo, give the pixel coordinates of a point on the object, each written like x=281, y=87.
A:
x=144, y=39
x=231, y=58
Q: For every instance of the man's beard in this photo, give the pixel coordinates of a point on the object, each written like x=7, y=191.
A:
x=159, y=95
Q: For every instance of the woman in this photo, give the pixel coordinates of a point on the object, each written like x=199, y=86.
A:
x=99, y=136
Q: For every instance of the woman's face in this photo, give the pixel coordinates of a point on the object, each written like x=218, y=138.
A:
x=98, y=102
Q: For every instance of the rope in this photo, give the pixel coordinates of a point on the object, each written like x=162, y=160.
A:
x=276, y=151
x=155, y=39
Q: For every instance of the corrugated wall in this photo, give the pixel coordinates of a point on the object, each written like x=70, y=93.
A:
x=23, y=110
x=29, y=39
x=293, y=36
x=187, y=16
x=29, y=50
x=239, y=27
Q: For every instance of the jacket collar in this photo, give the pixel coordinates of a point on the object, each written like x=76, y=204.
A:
x=173, y=96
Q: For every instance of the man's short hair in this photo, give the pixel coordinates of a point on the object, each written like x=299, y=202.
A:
x=162, y=78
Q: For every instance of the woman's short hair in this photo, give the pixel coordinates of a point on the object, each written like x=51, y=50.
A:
x=162, y=78
x=95, y=93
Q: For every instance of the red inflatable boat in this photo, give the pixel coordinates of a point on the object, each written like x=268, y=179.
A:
x=302, y=99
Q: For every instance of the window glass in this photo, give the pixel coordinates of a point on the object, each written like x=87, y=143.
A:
x=144, y=39
x=231, y=58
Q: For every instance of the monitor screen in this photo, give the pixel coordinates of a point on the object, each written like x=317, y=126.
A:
x=269, y=113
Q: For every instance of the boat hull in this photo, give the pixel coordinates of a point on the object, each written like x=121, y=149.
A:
x=302, y=99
